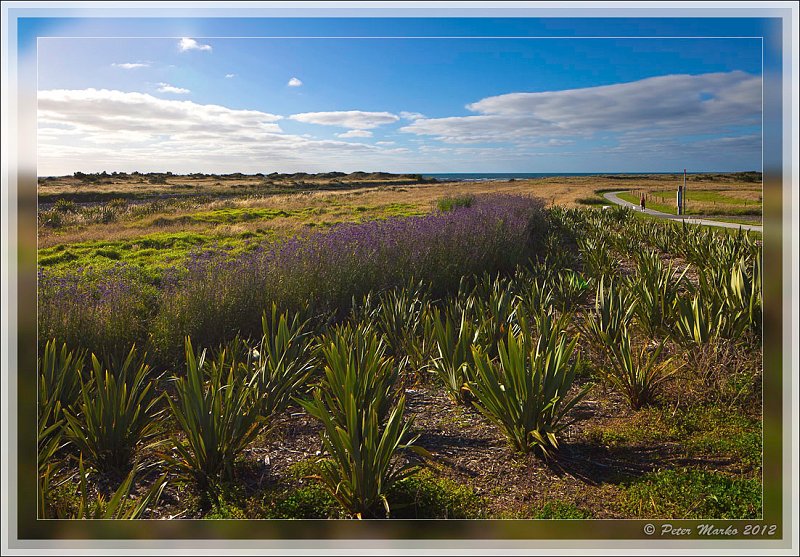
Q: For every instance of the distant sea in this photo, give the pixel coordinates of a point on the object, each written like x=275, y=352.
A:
x=486, y=176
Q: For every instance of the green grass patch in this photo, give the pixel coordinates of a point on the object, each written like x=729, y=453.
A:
x=108, y=253
x=755, y=234
x=399, y=210
x=153, y=253
x=244, y=214
x=306, y=502
x=380, y=211
x=234, y=215
x=163, y=241
x=307, y=499
x=725, y=211
x=686, y=494
x=225, y=509
x=54, y=256
x=449, y=203
x=740, y=219
x=708, y=196
x=701, y=430
x=655, y=206
x=303, y=498
x=712, y=431
x=63, y=501
x=423, y=495
x=594, y=201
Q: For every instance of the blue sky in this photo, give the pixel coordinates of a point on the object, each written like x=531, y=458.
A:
x=188, y=96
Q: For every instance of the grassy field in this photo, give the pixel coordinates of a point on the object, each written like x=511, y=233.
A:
x=151, y=226
x=325, y=320
x=165, y=238
x=723, y=201
x=131, y=209
x=105, y=187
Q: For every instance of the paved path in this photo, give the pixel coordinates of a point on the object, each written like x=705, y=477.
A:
x=613, y=198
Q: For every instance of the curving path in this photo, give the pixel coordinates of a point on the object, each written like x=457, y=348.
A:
x=613, y=198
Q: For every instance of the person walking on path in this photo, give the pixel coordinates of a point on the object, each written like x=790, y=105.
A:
x=641, y=201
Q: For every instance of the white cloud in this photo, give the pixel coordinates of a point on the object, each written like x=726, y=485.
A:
x=95, y=111
x=672, y=105
x=131, y=65
x=93, y=130
x=352, y=119
x=354, y=133
x=230, y=75
x=191, y=44
x=167, y=88
x=652, y=124
x=411, y=115
x=294, y=82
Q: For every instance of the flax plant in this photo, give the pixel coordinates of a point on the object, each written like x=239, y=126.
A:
x=118, y=414
x=525, y=392
x=59, y=380
x=363, y=427
x=355, y=364
x=569, y=289
x=119, y=505
x=59, y=387
x=453, y=336
x=495, y=305
x=535, y=296
x=282, y=361
x=598, y=261
x=697, y=323
x=639, y=376
x=362, y=466
x=400, y=318
x=655, y=288
x=217, y=408
x=613, y=313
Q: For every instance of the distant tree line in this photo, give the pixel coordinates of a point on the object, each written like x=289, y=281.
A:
x=161, y=177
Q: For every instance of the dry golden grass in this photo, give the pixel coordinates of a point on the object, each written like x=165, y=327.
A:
x=130, y=185
x=561, y=190
x=349, y=204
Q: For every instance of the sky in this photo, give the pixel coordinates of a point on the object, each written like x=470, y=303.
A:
x=472, y=99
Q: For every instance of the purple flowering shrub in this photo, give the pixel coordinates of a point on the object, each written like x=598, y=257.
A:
x=105, y=310
x=219, y=295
